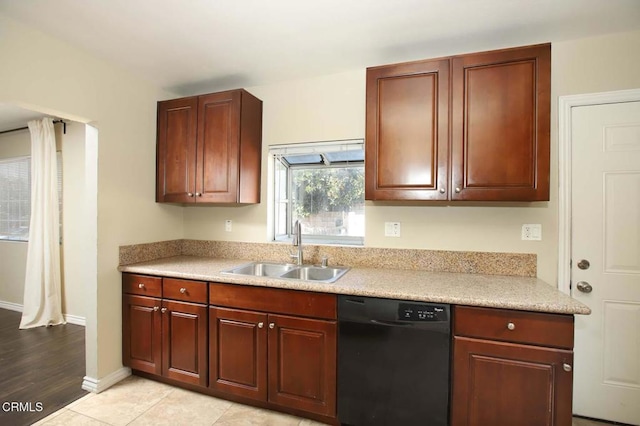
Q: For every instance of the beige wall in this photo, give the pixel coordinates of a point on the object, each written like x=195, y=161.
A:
x=43, y=74
x=333, y=107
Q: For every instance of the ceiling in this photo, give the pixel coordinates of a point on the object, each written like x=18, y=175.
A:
x=198, y=46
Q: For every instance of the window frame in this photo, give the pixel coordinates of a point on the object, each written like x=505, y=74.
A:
x=278, y=158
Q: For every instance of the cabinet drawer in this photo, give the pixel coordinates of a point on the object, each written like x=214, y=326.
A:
x=274, y=300
x=514, y=326
x=188, y=291
x=143, y=285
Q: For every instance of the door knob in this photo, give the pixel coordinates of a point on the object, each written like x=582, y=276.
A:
x=584, y=287
x=584, y=264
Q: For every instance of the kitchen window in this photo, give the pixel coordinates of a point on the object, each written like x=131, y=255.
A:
x=15, y=197
x=321, y=184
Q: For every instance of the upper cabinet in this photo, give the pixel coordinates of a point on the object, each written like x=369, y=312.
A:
x=471, y=127
x=209, y=149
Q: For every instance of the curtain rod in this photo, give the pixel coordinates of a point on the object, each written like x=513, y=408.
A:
x=64, y=128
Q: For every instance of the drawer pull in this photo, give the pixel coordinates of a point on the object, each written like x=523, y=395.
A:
x=566, y=367
x=140, y=285
x=260, y=324
x=511, y=326
x=183, y=290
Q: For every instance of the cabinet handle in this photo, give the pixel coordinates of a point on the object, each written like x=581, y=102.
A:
x=272, y=325
x=260, y=324
x=566, y=367
x=442, y=190
x=190, y=194
x=163, y=310
x=155, y=309
x=198, y=194
x=511, y=326
x=458, y=190
x=183, y=290
x=140, y=285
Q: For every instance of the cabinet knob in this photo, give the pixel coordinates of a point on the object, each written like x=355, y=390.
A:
x=140, y=285
x=260, y=324
x=511, y=326
x=566, y=367
x=190, y=194
x=458, y=190
x=163, y=310
x=183, y=290
x=272, y=325
x=198, y=194
x=155, y=309
x=442, y=190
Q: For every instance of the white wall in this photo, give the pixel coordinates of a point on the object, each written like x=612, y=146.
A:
x=43, y=74
x=333, y=107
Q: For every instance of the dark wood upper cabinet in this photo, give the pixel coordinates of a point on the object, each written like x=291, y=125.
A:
x=500, y=125
x=407, y=143
x=470, y=127
x=209, y=149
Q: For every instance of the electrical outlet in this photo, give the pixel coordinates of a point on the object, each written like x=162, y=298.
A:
x=227, y=225
x=392, y=229
x=532, y=232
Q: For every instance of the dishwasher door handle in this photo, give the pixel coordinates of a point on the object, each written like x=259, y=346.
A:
x=392, y=323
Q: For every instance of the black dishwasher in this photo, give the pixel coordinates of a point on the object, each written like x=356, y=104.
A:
x=393, y=362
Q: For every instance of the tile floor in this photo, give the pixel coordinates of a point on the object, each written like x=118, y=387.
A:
x=136, y=401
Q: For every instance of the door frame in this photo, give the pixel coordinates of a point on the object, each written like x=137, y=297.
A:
x=565, y=105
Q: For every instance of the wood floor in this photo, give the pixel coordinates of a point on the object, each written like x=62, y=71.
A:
x=41, y=369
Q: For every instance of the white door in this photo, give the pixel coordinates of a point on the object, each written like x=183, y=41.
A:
x=605, y=232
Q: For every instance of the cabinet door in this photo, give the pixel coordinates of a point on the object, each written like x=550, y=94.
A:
x=176, y=150
x=184, y=342
x=497, y=383
x=500, y=125
x=238, y=352
x=302, y=364
x=407, y=131
x=218, y=147
x=141, y=333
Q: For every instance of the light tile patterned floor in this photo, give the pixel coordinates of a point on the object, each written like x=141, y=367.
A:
x=137, y=402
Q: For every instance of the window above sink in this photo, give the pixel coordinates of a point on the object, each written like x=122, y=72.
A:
x=321, y=184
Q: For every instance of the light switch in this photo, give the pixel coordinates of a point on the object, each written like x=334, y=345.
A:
x=227, y=225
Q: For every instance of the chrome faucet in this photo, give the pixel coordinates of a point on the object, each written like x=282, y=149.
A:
x=297, y=241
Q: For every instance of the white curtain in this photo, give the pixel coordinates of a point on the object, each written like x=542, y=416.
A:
x=42, y=292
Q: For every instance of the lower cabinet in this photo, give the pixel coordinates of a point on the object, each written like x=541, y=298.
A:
x=511, y=368
x=161, y=336
x=275, y=346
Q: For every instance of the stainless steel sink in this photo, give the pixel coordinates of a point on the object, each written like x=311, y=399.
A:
x=260, y=269
x=289, y=271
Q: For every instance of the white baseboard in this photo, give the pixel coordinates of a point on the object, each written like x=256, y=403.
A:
x=10, y=306
x=71, y=319
x=98, y=385
x=74, y=319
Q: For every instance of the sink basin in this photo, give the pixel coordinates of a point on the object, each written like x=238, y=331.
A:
x=289, y=271
x=260, y=269
x=315, y=273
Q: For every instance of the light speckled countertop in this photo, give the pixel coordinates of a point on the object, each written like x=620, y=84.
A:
x=508, y=292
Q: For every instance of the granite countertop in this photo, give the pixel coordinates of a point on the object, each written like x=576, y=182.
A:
x=497, y=291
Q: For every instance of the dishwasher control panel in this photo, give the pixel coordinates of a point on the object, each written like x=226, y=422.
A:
x=420, y=312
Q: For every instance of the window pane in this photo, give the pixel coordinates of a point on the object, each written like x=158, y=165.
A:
x=329, y=200
x=281, y=199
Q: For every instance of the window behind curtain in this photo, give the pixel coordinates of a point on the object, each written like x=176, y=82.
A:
x=15, y=197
